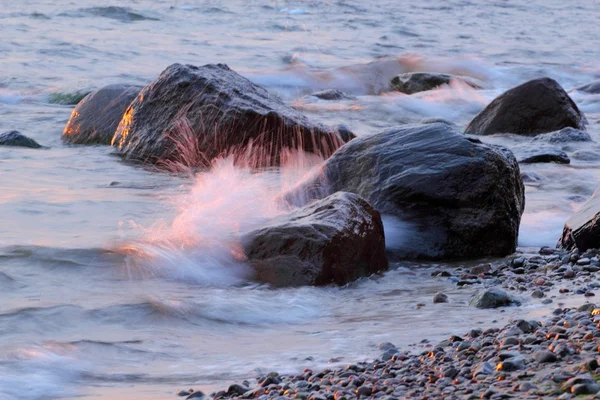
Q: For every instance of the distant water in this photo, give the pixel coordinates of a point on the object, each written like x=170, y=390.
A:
x=116, y=281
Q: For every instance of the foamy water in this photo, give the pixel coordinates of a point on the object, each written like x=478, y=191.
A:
x=119, y=281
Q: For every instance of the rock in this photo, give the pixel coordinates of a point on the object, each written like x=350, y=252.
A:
x=511, y=364
x=196, y=395
x=414, y=82
x=586, y=155
x=183, y=392
x=17, y=139
x=565, y=135
x=191, y=115
x=592, y=88
x=237, y=390
x=582, y=229
x=585, y=388
x=389, y=354
x=528, y=154
x=537, y=294
x=333, y=94
x=440, y=298
x=544, y=356
x=491, y=298
x=537, y=106
x=96, y=117
x=461, y=199
x=386, y=346
x=335, y=240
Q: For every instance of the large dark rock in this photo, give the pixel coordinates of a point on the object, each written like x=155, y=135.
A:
x=592, y=88
x=190, y=115
x=582, y=230
x=535, y=107
x=460, y=198
x=414, y=82
x=96, y=117
x=335, y=240
x=17, y=139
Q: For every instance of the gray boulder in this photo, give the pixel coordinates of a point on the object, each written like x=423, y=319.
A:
x=96, y=117
x=491, y=298
x=414, y=82
x=461, y=198
x=582, y=229
x=190, y=115
x=538, y=106
x=332, y=241
x=17, y=139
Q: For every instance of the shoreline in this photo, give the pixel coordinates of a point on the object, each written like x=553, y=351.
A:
x=549, y=357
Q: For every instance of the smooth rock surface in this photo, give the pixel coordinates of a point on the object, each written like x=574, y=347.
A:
x=414, y=82
x=534, y=107
x=582, y=229
x=333, y=94
x=96, y=117
x=191, y=115
x=459, y=198
x=335, y=240
x=17, y=139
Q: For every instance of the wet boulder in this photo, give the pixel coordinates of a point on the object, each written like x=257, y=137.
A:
x=537, y=106
x=17, y=139
x=96, y=117
x=456, y=197
x=414, y=82
x=591, y=88
x=582, y=229
x=191, y=115
x=335, y=240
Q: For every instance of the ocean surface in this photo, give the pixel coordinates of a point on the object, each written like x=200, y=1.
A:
x=100, y=294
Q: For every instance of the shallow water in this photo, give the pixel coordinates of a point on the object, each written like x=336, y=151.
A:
x=119, y=281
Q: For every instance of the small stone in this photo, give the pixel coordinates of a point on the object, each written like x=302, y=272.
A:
x=388, y=354
x=589, y=294
x=569, y=273
x=544, y=356
x=537, y=294
x=440, y=297
x=585, y=388
x=385, y=346
x=588, y=307
x=183, y=393
x=236, y=389
x=491, y=298
x=196, y=395
x=583, y=261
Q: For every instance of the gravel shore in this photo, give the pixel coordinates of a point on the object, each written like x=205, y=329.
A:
x=553, y=358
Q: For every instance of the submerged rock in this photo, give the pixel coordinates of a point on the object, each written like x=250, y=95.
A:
x=491, y=298
x=414, y=82
x=582, y=229
x=586, y=155
x=17, y=139
x=592, y=88
x=333, y=94
x=335, y=240
x=190, y=115
x=528, y=154
x=565, y=135
x=538, y=106
x=459, y=198
x=97, y=116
